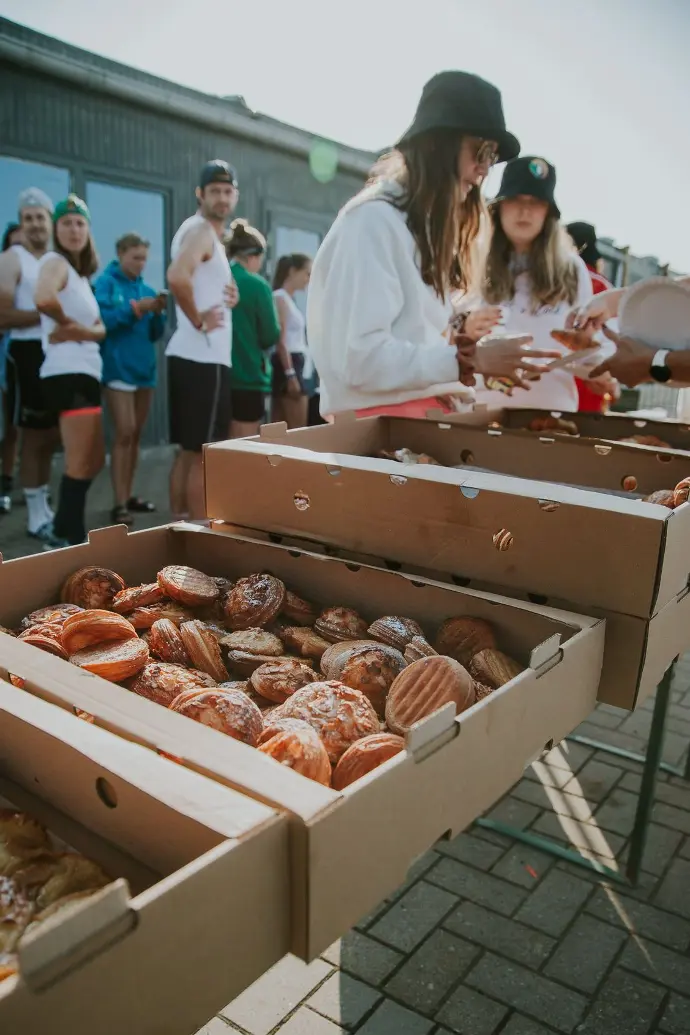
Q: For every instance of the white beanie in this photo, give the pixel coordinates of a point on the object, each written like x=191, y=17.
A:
x=34, y=197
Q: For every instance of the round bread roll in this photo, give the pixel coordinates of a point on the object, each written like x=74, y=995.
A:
x=228, y=711
x=301, y=750
x=274, y=724
x=339, y=714
x=424, y=687
x=276, y=681
x=369, y=667
x=365, y=755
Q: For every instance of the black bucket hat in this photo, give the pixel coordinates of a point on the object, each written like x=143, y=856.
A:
x=532, y=176
x=462, y=101
x=584, y=238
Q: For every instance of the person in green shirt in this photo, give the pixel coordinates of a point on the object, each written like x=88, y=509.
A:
x=255, y=329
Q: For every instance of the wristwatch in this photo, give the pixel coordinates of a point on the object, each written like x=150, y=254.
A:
x=659, y=370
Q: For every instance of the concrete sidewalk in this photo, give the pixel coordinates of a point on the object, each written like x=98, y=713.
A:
x=488, y=936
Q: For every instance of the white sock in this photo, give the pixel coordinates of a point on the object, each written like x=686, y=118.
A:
x=49, y=512
x=37, y=507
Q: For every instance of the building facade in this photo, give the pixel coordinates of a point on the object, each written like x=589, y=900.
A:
x=132, y=145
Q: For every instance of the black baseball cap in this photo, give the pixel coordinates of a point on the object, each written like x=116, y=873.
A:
x=531, y=176
x=584, y=237
x=217, y=171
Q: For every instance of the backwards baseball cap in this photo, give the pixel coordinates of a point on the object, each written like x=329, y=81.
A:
x=71, y=206
x=217, y=171
x=584, y=237
x=34, y=197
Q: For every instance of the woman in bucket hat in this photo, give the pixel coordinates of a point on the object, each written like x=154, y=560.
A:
x=379, y=306
x=534, y=275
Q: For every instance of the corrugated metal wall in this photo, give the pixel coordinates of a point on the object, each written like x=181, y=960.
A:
x=99, y=137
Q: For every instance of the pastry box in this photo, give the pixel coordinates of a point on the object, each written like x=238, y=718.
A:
x=604, y=552
x=364, y=837
x=155, y=896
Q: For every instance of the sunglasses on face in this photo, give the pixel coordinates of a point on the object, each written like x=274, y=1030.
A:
x=486, y=153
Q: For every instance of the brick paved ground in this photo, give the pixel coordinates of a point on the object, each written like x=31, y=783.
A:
x=488, y=936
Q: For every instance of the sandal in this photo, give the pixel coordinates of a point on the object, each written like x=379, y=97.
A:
x=140, y=506
x=121, y=516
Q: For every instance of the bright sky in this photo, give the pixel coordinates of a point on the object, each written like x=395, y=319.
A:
x=599, y=87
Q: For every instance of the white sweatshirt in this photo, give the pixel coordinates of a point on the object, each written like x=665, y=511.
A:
x=557, y=390
x=375, y=329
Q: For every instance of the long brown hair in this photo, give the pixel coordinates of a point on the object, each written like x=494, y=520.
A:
x=296, y=261
x=445, y=228
x=86, y=263
x=244, y=239
x=551, y=265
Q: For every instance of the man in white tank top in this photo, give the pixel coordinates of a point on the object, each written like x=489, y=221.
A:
x=199, y=351
x=19, y=317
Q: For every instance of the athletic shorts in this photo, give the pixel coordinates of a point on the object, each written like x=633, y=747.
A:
x=71, y=393
x=199, y=397
x=279, y=378
x=247, y=405
x=25, y=397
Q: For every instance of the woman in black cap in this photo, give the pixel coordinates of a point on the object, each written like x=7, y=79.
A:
x=534, y=275
x=379, y=299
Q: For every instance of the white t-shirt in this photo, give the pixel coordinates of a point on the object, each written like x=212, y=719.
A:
x=79, y=304
x=557, y=390
x=209, y=281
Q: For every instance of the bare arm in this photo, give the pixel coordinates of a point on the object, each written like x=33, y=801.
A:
x=196, y=247
x=52, y=278
x=10, y=318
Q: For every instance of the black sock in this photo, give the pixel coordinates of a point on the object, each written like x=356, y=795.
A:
x=70, y=516
x=6, y=484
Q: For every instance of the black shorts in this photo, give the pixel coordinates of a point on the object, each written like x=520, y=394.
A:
x=199, y=401
x=25, y=397
x=279, y=378
x=247, y=405
x=71, y=393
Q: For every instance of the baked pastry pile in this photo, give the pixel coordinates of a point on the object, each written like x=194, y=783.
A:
x=36, y=882
x=319, y=689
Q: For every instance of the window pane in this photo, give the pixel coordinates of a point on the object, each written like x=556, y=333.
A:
x=117, y=210
x=16, y=175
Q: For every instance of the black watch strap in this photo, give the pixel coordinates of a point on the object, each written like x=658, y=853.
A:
x=659, y=369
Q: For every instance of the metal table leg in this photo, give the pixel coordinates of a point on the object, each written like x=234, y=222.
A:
x=651, y=762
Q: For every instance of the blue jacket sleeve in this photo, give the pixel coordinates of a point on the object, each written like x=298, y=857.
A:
x=114, y=314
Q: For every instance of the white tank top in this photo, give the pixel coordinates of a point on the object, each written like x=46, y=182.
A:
x=209, y=280
x=295, y=325
x=79, y=304
x=24, y=293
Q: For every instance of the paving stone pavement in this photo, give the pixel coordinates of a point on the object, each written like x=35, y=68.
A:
x=490, y=937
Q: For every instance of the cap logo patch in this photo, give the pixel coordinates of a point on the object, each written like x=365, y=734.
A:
x=539, y=168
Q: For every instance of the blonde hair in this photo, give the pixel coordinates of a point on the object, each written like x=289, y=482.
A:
x=551, y=265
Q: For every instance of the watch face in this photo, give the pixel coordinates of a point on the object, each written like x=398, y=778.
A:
x=661, y=373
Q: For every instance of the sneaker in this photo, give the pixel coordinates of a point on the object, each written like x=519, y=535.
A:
x=54, y=542
x=5, y=504
x=44, y=533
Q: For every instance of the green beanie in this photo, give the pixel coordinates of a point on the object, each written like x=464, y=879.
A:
x=72, y=205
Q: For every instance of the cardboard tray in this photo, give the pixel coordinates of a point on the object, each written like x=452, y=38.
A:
x=199, y=905
x=453, y=768
x=607, y=426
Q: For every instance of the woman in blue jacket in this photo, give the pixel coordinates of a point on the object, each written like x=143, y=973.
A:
x=133, y=316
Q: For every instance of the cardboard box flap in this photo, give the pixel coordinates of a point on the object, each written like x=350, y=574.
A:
x=451, y=521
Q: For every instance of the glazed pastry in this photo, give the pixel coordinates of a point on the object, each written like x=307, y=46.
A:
x=165, y=643
x=90, y=627
x=424, y=687
x=395, y=632
x=228, y=711
x=365, y=755
x=128, y=600
x=339, y=714
x=276, y=681
x=298, y=611
x=203, y=649
x=71, y=873
x=47, y=638
x=253, y=641
x=371, y=669
x=187, y=585
x=92, y=588
x=144, y=617
x=576, y=341
x=304, y=641
x=274, y=724
x=254, y=602
x=418, y=648
x=461, y=638
x=56, y=614
x=21, y=840
x=494, y=668
x=113, y=661
x=162, y=683
x=340, y=623
x=301, y=750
